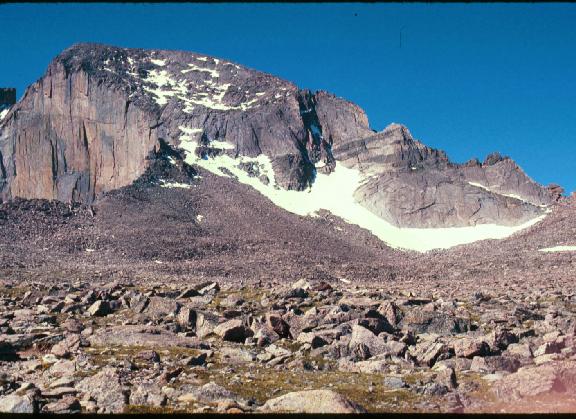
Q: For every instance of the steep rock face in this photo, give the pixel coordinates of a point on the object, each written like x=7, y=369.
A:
x=70, y=138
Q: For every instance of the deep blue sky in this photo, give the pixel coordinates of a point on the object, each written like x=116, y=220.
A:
x=466, y=78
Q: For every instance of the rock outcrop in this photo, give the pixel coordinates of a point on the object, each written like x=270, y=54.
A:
x=410, y=184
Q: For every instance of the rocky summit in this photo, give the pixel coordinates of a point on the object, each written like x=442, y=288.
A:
x=179, y=233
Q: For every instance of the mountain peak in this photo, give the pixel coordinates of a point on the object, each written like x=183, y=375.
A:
x=100, y=110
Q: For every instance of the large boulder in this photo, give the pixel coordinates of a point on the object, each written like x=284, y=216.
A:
x=17, y=404
x=532, y=381
x=312, y=401
x=105, y=387
x=233, y=330
x=422, y=321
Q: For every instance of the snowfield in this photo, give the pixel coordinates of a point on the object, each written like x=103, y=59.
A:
x=559, y=249
x=335, y=193
x=163, y=86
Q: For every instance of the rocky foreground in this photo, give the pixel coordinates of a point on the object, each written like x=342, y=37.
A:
x=309, y=346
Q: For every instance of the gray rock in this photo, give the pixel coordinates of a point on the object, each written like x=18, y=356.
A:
x=391, y=312
x=312, y=401
x=99, y=308
x=446, y=376
x=520, y=349
x=68, y=404
x=395, y=382
x=154, y=336
x=206, y=322
x=276, y=323
x=17, y=404
x=211, y=393
x=532, y=381
x=491, y=364
x=106, y=389
x=422, y=321
x=314, y=339
x=233, y=330
x=160, y=308
x=73, y=325
x=147, y=395
x=428, y=352
x=365, y=344
x=139, y=302
x=470, y=347
x=187, y=318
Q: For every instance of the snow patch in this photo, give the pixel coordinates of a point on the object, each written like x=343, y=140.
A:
x=160, y=63
x=247, y=105
x=194, y=67
x=559, y=249
x=3, y=114
x=222, y=145
x=335, y=193
x=509, y=195
x=190, y=131
x=166, y=86
x=199, y=217
x=165, y=184
x=210, y=94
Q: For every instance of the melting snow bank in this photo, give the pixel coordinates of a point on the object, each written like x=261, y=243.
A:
x=559, y=249
x=335, y=193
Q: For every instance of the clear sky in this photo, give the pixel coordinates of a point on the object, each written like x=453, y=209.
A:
x=465, y=78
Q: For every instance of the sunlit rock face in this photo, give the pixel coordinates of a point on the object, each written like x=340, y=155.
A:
x=410, y=184
x=90, y=123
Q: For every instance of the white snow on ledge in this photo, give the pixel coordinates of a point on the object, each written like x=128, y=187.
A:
x=335, y=193
x=174, y=185
x=3, y=114
x=509, y=195
x=559, y=249
x=160, y=63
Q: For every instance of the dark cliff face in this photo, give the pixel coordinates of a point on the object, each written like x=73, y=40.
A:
x=87, y=126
